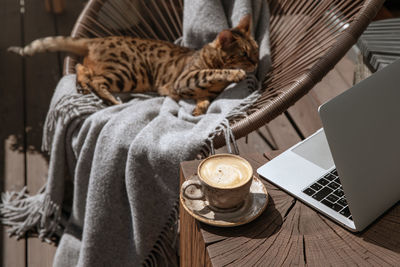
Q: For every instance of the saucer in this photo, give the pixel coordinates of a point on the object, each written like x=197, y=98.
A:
x=253, y=206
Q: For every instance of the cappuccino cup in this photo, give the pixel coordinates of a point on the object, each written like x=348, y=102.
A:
x=224, y=181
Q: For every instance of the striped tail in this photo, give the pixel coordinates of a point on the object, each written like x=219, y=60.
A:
x=78, y=46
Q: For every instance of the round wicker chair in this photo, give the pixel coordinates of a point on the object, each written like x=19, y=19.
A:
x=308, y=37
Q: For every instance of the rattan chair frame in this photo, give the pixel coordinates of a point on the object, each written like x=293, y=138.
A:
x=308, y=38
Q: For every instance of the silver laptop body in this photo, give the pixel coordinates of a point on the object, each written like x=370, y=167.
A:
x=361, y=139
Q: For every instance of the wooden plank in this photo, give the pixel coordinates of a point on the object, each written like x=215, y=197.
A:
x=12, y=141
x=193, y=250
x=335, y=82
x=39, y=253
x=346, y=68
x=305, y=111
x=249, y=144
x=12, y=252
x=305, y=115
x=42, y=74
x=266, y=134
x=55, y=6
x=281, y=133
x=252, y=143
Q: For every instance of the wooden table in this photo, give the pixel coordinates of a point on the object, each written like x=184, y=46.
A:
x=287, y=233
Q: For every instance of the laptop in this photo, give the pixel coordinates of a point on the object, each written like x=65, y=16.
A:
x=350, y=169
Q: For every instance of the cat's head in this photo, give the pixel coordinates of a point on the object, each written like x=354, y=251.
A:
x=237, y=48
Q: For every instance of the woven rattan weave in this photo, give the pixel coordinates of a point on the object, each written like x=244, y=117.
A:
x=308, y=37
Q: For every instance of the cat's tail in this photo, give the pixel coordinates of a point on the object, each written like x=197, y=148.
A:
x=78, y=46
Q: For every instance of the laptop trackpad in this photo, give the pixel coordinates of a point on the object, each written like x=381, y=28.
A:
x=316, y=150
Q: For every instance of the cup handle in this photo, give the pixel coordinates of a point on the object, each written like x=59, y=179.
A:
x=189, y=183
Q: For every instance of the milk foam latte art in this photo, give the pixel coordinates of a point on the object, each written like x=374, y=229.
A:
x=225, y=171
x=224, y=182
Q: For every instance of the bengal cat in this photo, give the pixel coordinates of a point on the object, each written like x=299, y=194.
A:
x=127, y=64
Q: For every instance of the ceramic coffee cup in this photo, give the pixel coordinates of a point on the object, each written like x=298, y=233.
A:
x=224, y=181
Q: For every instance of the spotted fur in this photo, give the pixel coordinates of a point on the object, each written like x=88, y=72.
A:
x=127, y=64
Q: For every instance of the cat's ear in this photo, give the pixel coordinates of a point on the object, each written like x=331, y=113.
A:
x=224, y=39
x=245, y=24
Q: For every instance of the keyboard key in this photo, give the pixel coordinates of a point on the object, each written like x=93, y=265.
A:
x=339, y=192
x=330, y=177
x=337, y=181
x=322, y=194
x=333, y=185
x=334, y=172
x=345, y=212
x=309, y=191
x=332, y=198
x=342, y=202
x=351, y=217
x=316, y=187
x=334, y=206
x=323, y=181
x=327, y=203
x=337, y=207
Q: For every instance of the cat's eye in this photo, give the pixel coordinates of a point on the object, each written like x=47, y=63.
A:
x=243, y=54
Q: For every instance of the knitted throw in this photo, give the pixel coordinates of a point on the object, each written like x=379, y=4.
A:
x=124, y=160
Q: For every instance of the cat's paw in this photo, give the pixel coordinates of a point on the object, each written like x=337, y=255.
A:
x=198, y=111
x=239, y=76
x=201, y=107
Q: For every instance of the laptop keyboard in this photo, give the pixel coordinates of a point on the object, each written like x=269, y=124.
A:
x=328, y=191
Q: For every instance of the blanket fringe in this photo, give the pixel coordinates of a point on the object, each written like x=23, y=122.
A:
x=66, y=109
x=164, y=252
x=237, y=112
x=31, y=214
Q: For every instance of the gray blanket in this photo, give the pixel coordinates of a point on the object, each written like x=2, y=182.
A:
x=124, y=160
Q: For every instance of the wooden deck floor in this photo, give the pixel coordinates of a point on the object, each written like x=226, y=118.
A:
x=26, y=89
